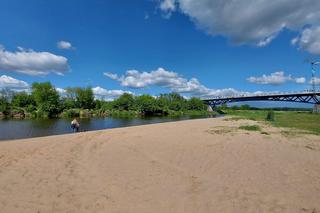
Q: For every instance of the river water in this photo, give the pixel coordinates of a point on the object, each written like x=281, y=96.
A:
x=17, y=129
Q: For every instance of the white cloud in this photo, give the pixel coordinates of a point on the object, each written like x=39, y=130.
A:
x=12, y=83
x=111, y=75
x=136, y=79
x=266, y=41
x=31, y=62
x=300, y=80
x=167, y=6
x=295, y=40
x=64, y=45
x=61, y=91
x=171, y=80
x=276, y=78
x=309, y=40
x=248, y=21
x=104, y=94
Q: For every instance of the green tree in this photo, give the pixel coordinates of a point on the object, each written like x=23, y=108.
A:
x=163, y=104
x=223, y=107
x=46, y=98
x=69, y=101
x=124, y=102
x=196, y=104
x=22, y=99
x=98, y=104
x=146, y=104
x=85, y=98
x=106, y=106
x=174, y=101
x=4, y=105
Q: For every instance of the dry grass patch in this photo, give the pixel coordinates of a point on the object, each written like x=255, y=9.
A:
x=221, y=130
x=250, y=127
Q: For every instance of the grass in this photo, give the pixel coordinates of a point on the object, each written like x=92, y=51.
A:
x=226, y=130
x=306, y=121
x=250, y=127
x=221, y=130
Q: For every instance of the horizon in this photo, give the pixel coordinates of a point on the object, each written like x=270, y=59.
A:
x=160, y=46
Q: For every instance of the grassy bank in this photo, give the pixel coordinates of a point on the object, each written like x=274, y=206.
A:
x=300, y=120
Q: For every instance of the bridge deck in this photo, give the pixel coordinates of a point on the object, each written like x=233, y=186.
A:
x=300, y=97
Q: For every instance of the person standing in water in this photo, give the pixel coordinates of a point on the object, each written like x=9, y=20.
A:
x=75, y=125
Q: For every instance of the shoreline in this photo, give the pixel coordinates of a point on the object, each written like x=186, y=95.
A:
x=82, y=131
x=200, y=165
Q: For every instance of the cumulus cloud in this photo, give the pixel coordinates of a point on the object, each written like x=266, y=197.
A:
x=61, y=91
x=12, y=83
x=276, y=78
x=309, y=40
x=104, y=94
x=168, y=6
x=247, y=21
x=64, y=45
x=137, y=79
x=31, y=62
x=171, y=80
x=300, y=80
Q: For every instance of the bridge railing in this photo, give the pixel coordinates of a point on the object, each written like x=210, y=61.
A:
x=264, y=94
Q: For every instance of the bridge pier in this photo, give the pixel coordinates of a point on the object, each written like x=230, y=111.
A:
x=209, y=108
x=316, y=108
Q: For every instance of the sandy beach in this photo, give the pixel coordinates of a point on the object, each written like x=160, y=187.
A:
x=205, y=165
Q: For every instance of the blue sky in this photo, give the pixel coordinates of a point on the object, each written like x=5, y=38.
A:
x=197, y=47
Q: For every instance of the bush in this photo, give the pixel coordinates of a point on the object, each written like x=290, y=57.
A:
x=41, y=114
x=270, y=116
x=4, y=106
x=195, y=104
x=85, y=113
x=245, y=107
x=31, y=108
x=124, y=114
x=71, y=113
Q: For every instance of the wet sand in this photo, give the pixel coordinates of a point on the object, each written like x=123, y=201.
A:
x=205, y=165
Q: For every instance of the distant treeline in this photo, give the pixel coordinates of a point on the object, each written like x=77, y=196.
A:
x=248, y=107
x=45, y=102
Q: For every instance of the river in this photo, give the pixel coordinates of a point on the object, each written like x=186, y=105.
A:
x=28, y=128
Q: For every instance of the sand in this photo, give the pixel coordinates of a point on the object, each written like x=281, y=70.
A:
x=205, y=165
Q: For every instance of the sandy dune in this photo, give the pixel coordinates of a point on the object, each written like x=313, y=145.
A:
x=204, y=165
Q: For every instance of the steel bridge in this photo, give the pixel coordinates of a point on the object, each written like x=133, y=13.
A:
x=309, y=97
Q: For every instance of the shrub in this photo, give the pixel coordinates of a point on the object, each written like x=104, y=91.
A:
x=71, y=113
x=270, y=116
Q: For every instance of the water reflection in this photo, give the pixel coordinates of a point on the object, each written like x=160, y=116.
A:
x=16, y=129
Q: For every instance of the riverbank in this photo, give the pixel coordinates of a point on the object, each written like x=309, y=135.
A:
x=30, y=128
x=301, y=120
x=205, y=165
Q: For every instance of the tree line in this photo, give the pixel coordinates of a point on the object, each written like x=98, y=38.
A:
x=44, y=101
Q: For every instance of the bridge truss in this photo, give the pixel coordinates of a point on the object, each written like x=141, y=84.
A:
x=303, y=97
